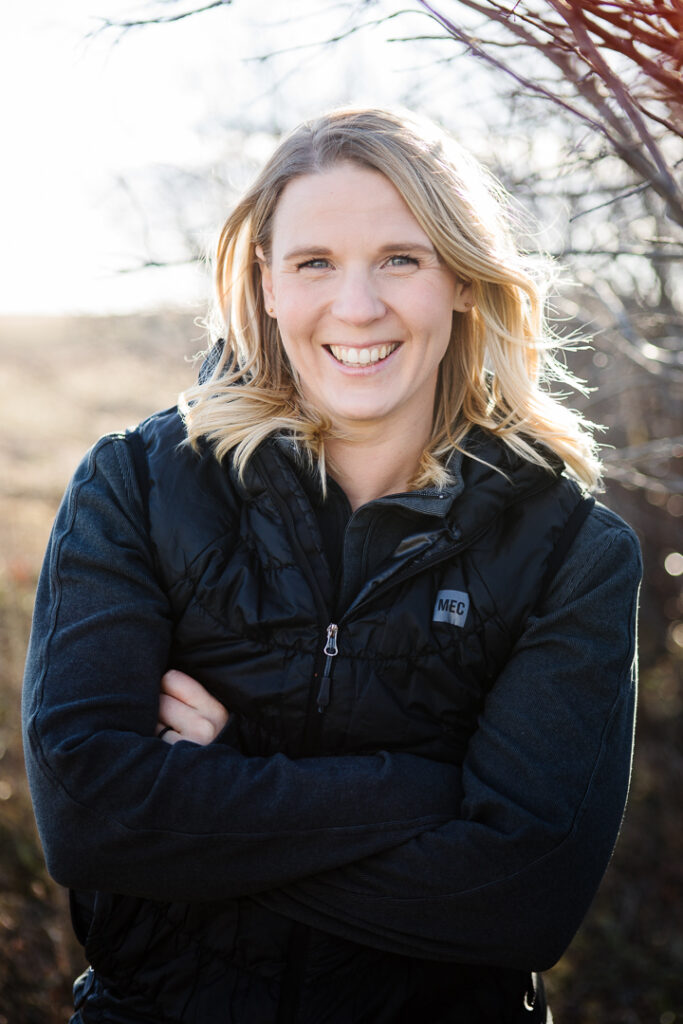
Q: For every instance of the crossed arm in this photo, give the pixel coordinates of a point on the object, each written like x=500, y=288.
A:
x=509, y=878
x=112, y=802
x=496, y=863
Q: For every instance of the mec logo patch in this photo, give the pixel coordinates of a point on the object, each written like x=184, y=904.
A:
x=451, y=606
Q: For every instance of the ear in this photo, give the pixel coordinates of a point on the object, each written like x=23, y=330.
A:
x=464, y=296
x=266, y=281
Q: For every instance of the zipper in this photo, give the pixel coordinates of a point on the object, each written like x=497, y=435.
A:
x=330, y=650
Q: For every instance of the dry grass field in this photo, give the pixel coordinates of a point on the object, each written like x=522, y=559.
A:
x=66, y=381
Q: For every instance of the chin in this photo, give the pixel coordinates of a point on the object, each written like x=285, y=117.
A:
x=358, y=416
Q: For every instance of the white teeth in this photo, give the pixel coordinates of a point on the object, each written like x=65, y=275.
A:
x=361, y=356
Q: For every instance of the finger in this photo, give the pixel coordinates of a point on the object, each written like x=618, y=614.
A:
x=190, y=692
x=170, y=736
x=166, y=733
x=189, y=723
x=183, y=687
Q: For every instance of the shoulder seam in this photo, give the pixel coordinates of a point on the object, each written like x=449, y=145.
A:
x=612, y=530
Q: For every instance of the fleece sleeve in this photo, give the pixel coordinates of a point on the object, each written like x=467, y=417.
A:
x=509, y=879
x=119, y=810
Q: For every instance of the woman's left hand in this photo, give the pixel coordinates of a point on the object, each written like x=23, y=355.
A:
x=187, y=711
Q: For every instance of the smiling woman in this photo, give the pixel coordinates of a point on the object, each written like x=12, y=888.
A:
x=443, y=226
x=329, y=700
x=364, y=321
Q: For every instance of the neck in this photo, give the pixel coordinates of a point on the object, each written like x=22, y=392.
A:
x=371, y=466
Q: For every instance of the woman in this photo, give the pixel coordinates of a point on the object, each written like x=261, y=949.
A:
x=394, y=639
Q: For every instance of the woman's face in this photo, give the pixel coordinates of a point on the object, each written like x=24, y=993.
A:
x=363, y=303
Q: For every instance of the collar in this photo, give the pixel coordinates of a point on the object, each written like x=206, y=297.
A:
x=430, y=501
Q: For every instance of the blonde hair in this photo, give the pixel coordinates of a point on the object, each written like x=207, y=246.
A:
x=499, y=361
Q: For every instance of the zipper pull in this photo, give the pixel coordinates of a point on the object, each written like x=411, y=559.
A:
x=330, y=651
x=330, y=648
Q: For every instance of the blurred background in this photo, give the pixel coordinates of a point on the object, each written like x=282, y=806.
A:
x=129, y=128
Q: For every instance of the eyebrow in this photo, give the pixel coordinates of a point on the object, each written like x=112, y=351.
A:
x=397, y=247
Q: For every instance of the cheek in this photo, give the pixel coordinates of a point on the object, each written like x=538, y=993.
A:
x=298, y=350
x=432, y=307
x=436, y=319
x=437, y=328
x=294, y=343
x=445, y=319
x=295, y=311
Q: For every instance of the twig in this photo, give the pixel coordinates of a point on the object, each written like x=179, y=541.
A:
x=653, y=254
x=615, y=199
x=527, y=83
x=151, y=264
x=330, y=41
x=163, y=19
x=590, y=50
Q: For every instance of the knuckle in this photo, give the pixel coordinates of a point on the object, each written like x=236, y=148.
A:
x=205, y=731
x=169, y=681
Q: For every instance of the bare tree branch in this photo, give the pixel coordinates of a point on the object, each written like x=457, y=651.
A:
x=329, y=40
x=615, y=199
x=643, y=254
x=623, y=335
x=576, y=38
x=149, y=264
x=590, y=52
x=163, y=19
x=533, y=86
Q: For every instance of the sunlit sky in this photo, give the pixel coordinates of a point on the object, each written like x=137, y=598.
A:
x=82, y=115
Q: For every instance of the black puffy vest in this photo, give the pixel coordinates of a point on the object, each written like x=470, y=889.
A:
x=441, y=587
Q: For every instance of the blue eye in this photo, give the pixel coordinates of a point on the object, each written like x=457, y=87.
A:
x=319, y=263
x=403, y=261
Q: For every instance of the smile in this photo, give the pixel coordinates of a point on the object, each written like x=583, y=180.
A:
x=362, y=356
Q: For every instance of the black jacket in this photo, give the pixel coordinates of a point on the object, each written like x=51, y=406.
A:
x=417, y=821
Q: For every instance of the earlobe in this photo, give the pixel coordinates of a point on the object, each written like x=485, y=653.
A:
x=464, y=297
x=266, y=281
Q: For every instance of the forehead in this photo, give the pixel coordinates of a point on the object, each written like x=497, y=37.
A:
x=343, y=200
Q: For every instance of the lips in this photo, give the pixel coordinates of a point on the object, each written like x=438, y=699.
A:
x=362, y=356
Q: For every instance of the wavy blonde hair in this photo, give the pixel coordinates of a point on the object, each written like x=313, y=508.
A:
x=499, y=362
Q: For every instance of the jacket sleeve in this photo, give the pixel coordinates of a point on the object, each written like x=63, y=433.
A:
x=545, y=780
x=117, y=809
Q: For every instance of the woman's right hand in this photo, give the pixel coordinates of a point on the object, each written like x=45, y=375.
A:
x=187, y=711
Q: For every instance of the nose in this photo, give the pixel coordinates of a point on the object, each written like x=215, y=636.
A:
x=357, y=301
